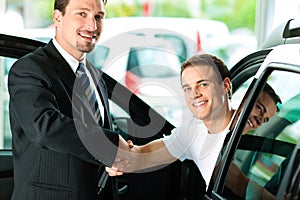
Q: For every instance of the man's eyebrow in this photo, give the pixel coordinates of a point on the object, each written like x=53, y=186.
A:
x=101, y=12
x=86, y=9
x=200, y=81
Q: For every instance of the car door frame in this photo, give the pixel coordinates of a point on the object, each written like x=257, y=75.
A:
x=254, y=90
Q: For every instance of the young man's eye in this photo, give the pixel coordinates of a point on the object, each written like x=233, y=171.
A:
x=186, y=89
x=82, y=14
x=203, y=84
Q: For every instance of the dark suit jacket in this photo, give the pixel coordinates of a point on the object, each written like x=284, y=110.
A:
x=57, y=145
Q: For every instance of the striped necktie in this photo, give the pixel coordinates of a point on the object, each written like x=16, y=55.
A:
x=89, y=92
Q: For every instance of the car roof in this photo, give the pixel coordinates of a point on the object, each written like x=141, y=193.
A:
x=284, y=54
x=287, y=32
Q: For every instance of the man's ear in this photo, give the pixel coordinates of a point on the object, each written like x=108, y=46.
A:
x=57, y=17
x=228, y=87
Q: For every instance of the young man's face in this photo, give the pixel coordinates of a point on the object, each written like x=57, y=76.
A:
x=264, y=109
x=205, y=93
x=79, y=28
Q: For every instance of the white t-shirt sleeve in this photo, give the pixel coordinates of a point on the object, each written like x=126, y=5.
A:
x=174, y=145
x=181, y=139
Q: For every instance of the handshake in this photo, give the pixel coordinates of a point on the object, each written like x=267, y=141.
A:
x=132, y=158
x=125, y=159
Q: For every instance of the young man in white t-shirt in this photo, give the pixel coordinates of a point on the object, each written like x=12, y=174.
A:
x=206, y=84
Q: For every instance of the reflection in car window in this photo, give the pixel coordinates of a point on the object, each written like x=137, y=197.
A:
x=263, y=153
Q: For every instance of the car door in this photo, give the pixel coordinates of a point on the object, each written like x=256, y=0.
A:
x=266, y=155
x=130, y=115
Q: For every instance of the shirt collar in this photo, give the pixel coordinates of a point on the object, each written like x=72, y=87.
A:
x=73, y=62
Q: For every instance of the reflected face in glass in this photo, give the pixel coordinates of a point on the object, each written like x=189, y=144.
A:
x=264, y=109
x=205, y=93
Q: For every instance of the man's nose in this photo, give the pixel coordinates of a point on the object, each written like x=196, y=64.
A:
x=195, y=93
x=92, y=24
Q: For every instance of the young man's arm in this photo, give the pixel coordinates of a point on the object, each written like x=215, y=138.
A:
x=142, y=157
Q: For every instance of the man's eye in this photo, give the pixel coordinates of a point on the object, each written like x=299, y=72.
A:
x=259, y=109
x=203, y=84
x=186, y=89
x=82, y=14
x=99, y=18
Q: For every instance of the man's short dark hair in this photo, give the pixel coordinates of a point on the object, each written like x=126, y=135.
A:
x=270, y=91
x=62, y=4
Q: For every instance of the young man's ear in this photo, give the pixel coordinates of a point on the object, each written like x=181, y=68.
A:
x=228, y=87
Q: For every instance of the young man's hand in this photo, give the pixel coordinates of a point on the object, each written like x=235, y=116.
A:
x=120, y=165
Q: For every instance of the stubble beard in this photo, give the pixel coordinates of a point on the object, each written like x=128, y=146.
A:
x=86, y=48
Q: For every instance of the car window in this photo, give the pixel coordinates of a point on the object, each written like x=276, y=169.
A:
x=239, y=94
x=5, y=135
x=153, y=63
x=263, y=153
x=179, y=45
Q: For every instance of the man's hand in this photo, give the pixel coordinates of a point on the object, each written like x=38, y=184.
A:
x=120, y=165
x=112, y=171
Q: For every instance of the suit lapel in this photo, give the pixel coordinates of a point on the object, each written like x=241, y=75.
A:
x=68, y=79
x=64, y=71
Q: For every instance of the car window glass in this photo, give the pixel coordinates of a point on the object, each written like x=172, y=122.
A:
x=263, y=153
x=178, y=44
x=239, y=94
x=5, y=135
x=153, y=63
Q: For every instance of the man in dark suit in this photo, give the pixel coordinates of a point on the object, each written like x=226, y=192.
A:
x=58, y=144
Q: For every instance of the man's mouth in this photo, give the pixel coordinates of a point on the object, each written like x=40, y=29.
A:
x=88, y=36
x=250, y=123
x=199, y=104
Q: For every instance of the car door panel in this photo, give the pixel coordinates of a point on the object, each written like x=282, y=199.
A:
x=6, y=174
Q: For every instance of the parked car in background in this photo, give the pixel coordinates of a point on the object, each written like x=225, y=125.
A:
x=188, y=35
x=146, y=63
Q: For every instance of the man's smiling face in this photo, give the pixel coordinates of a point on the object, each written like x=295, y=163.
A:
x=79, y=28
x=204, y=92
x=264, y=109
